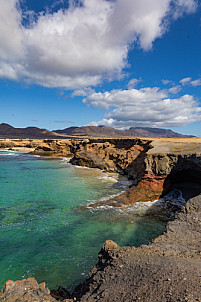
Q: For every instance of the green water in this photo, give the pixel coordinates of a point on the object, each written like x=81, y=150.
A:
x=44, y=231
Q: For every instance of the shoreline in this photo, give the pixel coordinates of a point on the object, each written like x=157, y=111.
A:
x=168, y=268
x=170, y=263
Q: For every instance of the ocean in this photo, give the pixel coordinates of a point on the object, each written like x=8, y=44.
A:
x=46, y=233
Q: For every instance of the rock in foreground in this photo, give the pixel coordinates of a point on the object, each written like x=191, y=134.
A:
x=25, y=290
x=166, y=270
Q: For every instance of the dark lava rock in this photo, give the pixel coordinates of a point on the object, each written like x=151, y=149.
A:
x=166, y=270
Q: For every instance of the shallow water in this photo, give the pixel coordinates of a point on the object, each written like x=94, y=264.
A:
x=44, y=231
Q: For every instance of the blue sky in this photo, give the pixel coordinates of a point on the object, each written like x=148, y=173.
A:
x=120, y=63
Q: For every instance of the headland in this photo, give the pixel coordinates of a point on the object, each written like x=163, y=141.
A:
x=168, y=269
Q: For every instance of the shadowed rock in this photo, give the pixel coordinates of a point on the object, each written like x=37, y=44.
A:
x=166, y=270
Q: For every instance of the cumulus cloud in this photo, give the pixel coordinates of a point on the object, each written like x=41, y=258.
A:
x=196, y=82
x=119, y=98
x=185, y=81
x=132, y=83
x=144, y=107
x=80, y=46
x=174, y=89
x=188, y=81
x=183, y=6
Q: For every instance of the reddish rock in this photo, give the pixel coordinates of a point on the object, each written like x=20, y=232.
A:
x=150, y=188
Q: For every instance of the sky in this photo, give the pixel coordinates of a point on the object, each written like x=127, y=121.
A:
x=118, y=63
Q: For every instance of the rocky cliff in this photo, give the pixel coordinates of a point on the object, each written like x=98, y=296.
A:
x=168, y=269
x=153, y=165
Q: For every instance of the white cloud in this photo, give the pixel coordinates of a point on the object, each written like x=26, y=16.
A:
x=188, y=81
x=183, y=6
x=185, y=81
x=166, y=82
x=119, y=98
x=145, y=107
x=80, y=46
x=11, y=34
x=174, y=89
x=83, y=92
x=132, y=83
x=196, y=82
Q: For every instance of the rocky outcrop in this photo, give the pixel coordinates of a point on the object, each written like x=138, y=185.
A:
x=55, y=148
x=112, y=155
x=167, y=270
x=28, y=290
x=29, y=144
x=154, y=174
x=24, y=291
x=152, y=165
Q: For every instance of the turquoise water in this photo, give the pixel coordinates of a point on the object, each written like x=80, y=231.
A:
x=44, y=231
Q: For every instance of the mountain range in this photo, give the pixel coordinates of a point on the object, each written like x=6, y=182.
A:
x=7, y=131
x=102, y=131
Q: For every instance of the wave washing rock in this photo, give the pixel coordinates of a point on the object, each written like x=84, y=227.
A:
x=169, y=268
x=153, y=173
x=166, y=270
x=153, y=165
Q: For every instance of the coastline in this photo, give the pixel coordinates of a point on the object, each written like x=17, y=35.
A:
x=129, y=273
x=167, y=269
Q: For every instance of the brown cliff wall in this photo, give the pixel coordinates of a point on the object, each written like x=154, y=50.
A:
x=152, y=165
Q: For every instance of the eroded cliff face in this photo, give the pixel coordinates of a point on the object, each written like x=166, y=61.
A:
x=152, y=165
x=152, y=173
x=113, y=155
x=168, y=269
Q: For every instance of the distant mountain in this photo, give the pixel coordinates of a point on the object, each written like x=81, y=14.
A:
x=7, y=131
x=158, y=132
x=108, y=132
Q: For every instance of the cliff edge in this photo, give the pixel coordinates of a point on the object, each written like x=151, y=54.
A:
x=166, y=270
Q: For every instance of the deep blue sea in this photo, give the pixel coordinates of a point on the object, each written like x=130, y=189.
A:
x=44, y=230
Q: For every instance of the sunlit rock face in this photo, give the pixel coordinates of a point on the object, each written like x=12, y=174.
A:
x=25, y=290
x=153, y=165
